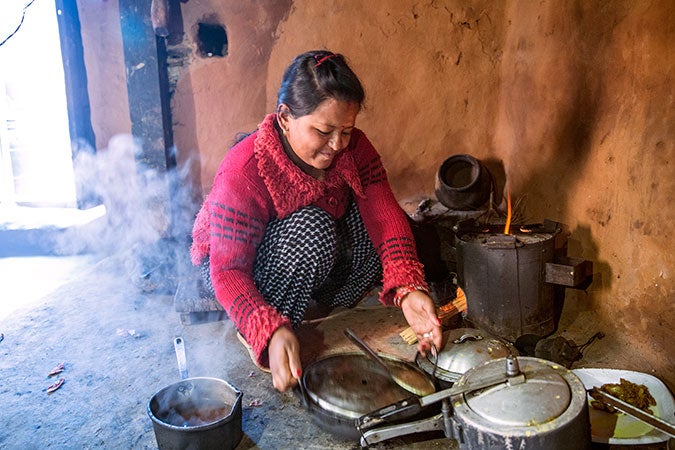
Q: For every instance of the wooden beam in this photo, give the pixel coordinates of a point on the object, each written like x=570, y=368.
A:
x=82, y=135
x=147, y=85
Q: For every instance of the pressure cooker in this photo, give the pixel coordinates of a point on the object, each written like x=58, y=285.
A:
x=511, y=402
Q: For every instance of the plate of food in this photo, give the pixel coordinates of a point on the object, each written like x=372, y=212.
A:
x=619, y=428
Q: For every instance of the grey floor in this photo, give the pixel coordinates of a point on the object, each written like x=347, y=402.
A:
x=116, y=342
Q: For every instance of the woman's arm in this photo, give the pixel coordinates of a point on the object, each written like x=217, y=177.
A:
x=387, y=224
x=238, y=213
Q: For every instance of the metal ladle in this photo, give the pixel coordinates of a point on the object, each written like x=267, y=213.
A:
x=408, y=379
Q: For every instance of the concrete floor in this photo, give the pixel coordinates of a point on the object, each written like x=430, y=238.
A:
x=117, y=345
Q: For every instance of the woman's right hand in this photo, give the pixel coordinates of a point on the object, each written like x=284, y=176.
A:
x=284, y=358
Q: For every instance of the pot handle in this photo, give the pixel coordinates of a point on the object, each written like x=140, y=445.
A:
x=302, y=393
x=376, y=435
x=179, y=346
x=400, y=410
x=570, y=272
x=468, y=337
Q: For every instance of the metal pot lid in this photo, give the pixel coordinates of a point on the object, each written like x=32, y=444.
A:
x=464, y=349
x=544, y=395
x=351, y=384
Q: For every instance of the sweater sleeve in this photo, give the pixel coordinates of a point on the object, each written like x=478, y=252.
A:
x=238, y=212
x=387, y=224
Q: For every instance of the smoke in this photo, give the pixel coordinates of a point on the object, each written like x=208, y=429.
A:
x=149, y=212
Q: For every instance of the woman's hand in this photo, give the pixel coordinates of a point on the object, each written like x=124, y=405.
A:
x=284, y=359
x=420, y=312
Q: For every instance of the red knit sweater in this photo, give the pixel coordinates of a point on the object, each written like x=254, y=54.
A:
x=257, y=182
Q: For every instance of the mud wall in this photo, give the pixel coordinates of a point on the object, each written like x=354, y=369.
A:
x=106, y=75
x=570, y=104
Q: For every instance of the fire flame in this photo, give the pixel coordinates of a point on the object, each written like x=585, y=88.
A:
x=507, y=227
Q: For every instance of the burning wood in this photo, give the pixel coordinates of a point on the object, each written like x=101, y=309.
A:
x=507, y=227
x=445, y=313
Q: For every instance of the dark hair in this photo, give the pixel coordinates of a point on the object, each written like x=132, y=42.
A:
x=316, y=76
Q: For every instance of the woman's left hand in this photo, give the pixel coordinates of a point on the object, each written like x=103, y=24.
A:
x=420, y=313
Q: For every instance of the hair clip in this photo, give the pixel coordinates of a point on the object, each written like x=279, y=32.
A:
x=319, y=61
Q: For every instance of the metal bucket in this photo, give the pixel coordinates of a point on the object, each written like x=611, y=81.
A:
x=504, y=278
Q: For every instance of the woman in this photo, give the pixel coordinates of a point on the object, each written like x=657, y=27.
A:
x=301, y=211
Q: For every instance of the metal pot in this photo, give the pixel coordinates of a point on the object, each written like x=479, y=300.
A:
x=340, y=388
x=548, y=411
x=464, y=349
x=463, y=183
x=509, y=402
x=196, y=413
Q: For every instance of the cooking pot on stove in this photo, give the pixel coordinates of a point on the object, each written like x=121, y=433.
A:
x=513, y=402
x=463, y=349
x=340, y=388
x=463, y=183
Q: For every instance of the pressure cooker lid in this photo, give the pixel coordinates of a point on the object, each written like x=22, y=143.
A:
x=464, y=349
x=543, y=396
x=351, y=384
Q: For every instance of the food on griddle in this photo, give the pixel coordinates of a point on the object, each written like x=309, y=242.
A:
x=635, y=394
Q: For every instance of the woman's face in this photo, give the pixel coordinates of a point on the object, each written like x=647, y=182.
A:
x=318, y=137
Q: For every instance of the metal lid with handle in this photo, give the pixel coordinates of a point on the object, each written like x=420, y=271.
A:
x=464, y=349
x=545, y=395
x=412, y=405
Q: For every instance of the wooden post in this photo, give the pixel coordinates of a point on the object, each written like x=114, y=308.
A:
x=147, y=84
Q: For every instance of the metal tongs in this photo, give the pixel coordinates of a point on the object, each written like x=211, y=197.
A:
x=635, y=412
x=411, y=406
